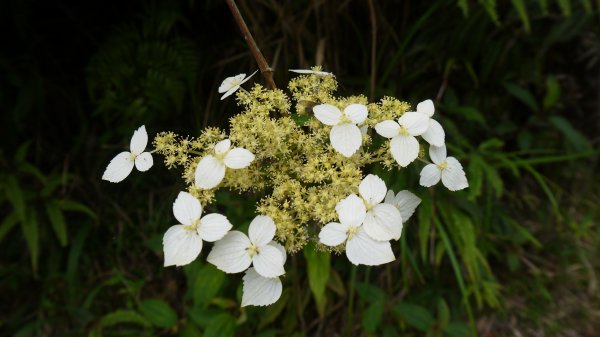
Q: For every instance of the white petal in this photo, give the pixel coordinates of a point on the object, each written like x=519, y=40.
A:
x=308, y=71
x=430, y=175
x=209, y=173
x=119, y=167
x=345, y=138
x=248, y=78
x=453, y=176
x=181, y=246
x=230, y=91
x=261, y=230
x=260, y=291
x=437, y=154
x=238, y=158
x=372, y=189
x=361, y=249
x=389, y=198
x=268, y=261
x=364, y=129
x=414, y=122
x=187, y=209
x=139, y=140
x=426, y=107
x=357, y=113
x=280, y=249
x=388, y=129
x=435, y=133
x=351, y=210
x=405, y=149
x=213, y=227
x=231, y=82
x=333, y=234
x=229, y=254
x=222, y=146
x=383, y=222
x=406, y=202
x=327, y=114
x=144, y=161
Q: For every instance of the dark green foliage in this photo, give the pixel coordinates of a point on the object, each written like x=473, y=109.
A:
x=516, y=89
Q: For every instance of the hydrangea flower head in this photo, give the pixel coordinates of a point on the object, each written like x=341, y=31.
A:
x=182, y=243
x=122, y=165
x=211, y=169
x=345, y=136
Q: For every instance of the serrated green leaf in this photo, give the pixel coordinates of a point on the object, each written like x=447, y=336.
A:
x=207, y=284
x=522, y=95
x=522, y=11
x=158, y=312
x=222, y=325
x=318, y=266
x=123, y=316
x=57, y=220
x=414, y=315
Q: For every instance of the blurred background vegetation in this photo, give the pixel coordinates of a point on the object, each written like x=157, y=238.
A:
x=516, y=85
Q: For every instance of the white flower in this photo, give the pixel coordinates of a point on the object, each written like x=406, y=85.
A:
x=405, y=201
x=310, y=72
x=182, y=243
x=435, y=133
x=232, y=84
x=383, y=221
x=259, y=290
x=235, y=252
x=121, y=165
x=404, y=146
x=345, y=136
x=360, y=248
x=211, y=169
x=448, y=168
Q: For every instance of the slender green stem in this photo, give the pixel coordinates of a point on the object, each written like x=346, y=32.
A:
x=350, y=315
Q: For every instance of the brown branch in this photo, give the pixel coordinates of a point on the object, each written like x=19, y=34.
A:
x=265, y=69
x=373, y=48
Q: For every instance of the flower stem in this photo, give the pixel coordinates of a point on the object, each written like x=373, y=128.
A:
x=265, y=69
x=350, y=315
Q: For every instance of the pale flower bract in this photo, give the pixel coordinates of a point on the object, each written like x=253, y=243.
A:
x=232, y=84
x=310, y=72
x=211, y=169
x=345, y=136
x=434, y=134
x=447, y=168
x=404, y=145
x=121, y=165
x=259, y=290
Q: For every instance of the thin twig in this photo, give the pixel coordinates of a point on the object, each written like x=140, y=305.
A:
x=373, y=48
x=265, y=69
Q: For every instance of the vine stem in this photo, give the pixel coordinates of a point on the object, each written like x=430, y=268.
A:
x=265, y=69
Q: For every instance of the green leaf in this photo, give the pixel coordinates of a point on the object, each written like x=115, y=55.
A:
x=74, y=206
x=464, y=7
x=370, y=293
x=158, y=312
x=457, y=330
x=425, y=214
x=490, y=8
x=565, y=7
x=207, y=284
x=318, y=265
x=414, y=315
x=522, y=94
x=372, y=316
x=552, y=93
x=123, y=316
x=222, y=325
x=300, y=119
x=7, y=224
x=271, y=312
x=443, y=313
x=14, y=194
x=522, y=10
x=30, y=229
x=578, y=140
x=57, y=220
x=335, y=283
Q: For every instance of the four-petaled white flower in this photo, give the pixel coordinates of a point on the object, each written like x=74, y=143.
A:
x=235, y=252
x=434, y=134
x=259, y=290
x=121, y=165
x=211, y=169
x=182, y=243
x=447, y=168
x=360, y=247
x=405, y=201
x=345, y=136
x=232, y=84
x=404, y=146
x=310, y=72
x=383, y=221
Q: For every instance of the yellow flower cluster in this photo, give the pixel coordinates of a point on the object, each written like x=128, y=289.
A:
x=299, y=174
